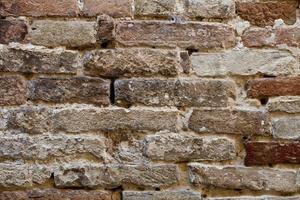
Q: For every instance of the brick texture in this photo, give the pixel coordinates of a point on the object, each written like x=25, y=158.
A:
x=149, y=99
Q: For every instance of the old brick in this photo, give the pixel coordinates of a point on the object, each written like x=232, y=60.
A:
x=284, y=104
x=4, y=114
x=52, y=33
x=265, y=13
x=163, y=195
x=38, y=8
x=12, y=91
x=193, y=9
x=233, y=121
x=16, y=174
x=70, y=90
x=16, y=145
x=244, y=62
x=113, y=176
x=286, y=127
x=132, y=62
x=220, y=9
x=87, y=119
x=105, y=31
x=117, y=8
x=56, y=194
x=152, y=8
x=33, y=59
x=263, y=153
x=192, y=35
x=12, y=30
x=174, y=92
x=260, y=37
x=235, y=177
x=270, y=87
x=181, y=147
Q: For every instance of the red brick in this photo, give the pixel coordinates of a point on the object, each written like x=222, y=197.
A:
x=260, y=37
x=270, y=87
x=114, y=8
x=12, y=30
x=56, y=194
x=169, y=34
x=70, y=90
x=12, y=91
x=265, y=13
x=263, y=153
x=38, y=8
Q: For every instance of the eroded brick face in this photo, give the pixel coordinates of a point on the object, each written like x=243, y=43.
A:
x=149, y=100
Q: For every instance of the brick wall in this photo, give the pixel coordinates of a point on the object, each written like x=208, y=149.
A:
x=149, y=99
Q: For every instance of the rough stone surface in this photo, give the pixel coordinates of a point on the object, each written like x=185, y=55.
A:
x=18, y=146
x=70, y=90
x=245, y=62
x=284, y=104
x=12, y=30
x=132, y=62
x=234, y=177
x=257, y=198
x=270, y=87
x=52, y=33
x=286, y=127
x=117, y=8
x=56, y=194
x=34, y=59
x=153, y=8
x=164, y=195
x=174, y=92
x=87, y=119
x=113, y=176
x=263, y=153
x=237, y=121
x=170, y=34
x=219, y=9
x=265, y=13
x=39, y=8
x=12, y=91
x=19, y=175
x=181, y=147
x=267, y=37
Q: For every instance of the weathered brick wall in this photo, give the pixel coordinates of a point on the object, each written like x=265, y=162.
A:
x=149, y=99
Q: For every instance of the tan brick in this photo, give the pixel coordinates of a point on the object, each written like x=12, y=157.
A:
x=286, y=127
x=232, y=121
x=34, y=59
x=87, y=119
x=270, y=87
x=174, y=92
x=284, y=104
x=56, y=194
x=113, y=176
x=39, y=8
x=12, y=30
x=152, y=8
x=245, y=62
x=235, y=177
x=17, y=175
x=132, y=62
x=12, y=91
x=180, y=147
x=15, y=145
x=265, y=13
x=163, y=195
x=169, y=34
x=52, y=33
x=70, y=90
x=114, y=8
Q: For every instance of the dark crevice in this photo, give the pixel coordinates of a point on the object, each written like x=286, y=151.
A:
x=264, y=101
x=192, y=50
x=112, y=96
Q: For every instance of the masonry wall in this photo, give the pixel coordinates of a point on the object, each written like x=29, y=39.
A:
x=149, y=100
